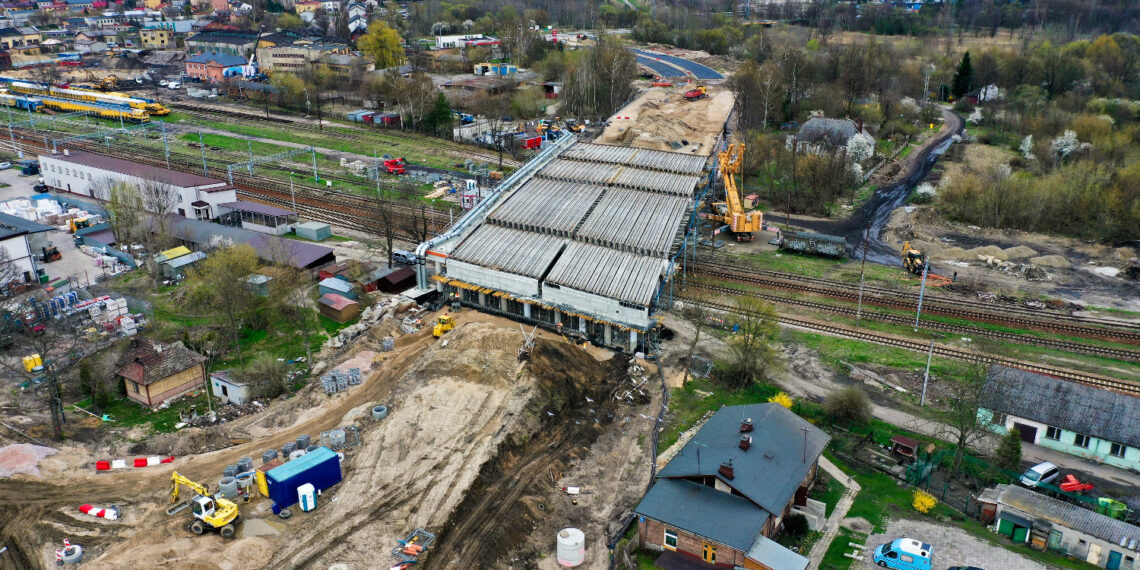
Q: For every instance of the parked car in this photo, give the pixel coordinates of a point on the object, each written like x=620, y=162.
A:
x=5, y=165
x=1041, y=473
x=406, y=257
x=904, y=554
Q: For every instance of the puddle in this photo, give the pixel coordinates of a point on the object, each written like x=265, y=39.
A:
x=259, y=527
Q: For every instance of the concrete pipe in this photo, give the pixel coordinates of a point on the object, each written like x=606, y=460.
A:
x=379, y=412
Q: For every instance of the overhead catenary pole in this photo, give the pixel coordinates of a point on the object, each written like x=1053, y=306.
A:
x=921, y=291
x=165, y=146
x=202, y=145
x=862, y=274
x=926, y=375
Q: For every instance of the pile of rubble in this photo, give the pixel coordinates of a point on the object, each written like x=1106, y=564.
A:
x=374, y=314
x=1027, y=270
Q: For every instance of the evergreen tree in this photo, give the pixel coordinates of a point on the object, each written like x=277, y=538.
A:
x=963, y=78
x=1008, y=454
x=438, y=119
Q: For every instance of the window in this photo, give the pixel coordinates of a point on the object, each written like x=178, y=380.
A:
x=1081, y=441
x=1118, y=450
x=136, y=386
x=670, y=539
x=907, y=558
x=1053, y=433
x=998, y=419
x=225, y=391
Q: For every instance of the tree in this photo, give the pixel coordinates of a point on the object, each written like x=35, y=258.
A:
x=221, y=280
x=289, y=22
x=752, y=353
x=849, y=405
x=695, y=310
x=963, y=77
x=291, y=89
x=1008, y=454
x=438, y=120
x=124, y=209
x=267, y=376
x=382, y=44
x=958, y=413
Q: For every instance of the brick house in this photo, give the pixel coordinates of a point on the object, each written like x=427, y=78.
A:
x=213, y=67
x=724, y=496
x=153, y=372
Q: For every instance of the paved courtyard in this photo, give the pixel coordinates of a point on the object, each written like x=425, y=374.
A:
x=952, y=547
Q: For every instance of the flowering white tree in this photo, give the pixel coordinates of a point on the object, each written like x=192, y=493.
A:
x=860, y=148
x=975, y=117
x=1066, y=144
x=1026, y=148
x=926, y=189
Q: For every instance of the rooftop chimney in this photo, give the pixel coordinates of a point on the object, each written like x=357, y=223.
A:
x=726, y=469
x=745, y=442
x=746, y=425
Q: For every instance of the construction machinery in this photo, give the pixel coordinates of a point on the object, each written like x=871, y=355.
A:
x=698, y=93
x=443, y=324
x=395, y=166
x=51, y=253
x=219, y=513
x=914, y=259
x=740, y=223
x=575, y=126
x=109, y=83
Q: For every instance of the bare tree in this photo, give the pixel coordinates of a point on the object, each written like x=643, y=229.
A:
x=124, y=209
x=957, y=413
x=753, y=355
x=696, y=311
x=159, y=200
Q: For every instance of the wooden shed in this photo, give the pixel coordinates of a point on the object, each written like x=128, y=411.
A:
x=339, y=308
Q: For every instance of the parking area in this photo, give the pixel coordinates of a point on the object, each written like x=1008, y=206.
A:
x=81, y=268
x=952, y=546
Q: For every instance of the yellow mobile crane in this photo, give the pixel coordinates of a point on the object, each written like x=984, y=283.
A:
x=220, y=514
x=741, y=224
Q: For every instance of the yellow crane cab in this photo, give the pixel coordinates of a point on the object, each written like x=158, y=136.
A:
x=443, y=324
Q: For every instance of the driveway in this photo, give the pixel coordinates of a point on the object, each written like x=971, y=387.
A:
x=952, y=547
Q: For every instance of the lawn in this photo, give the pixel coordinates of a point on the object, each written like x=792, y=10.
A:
x=834, y=559
x=126, y=413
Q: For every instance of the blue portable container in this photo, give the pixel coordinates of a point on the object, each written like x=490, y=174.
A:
x=320, y=468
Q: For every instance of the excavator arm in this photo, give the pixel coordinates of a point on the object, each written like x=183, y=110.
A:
x=177, y=479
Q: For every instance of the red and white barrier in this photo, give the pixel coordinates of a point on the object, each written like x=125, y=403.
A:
x=137, y=462
x=109, y=514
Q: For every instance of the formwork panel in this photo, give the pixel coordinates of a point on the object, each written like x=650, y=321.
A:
x=641, y=222
x=547, y=206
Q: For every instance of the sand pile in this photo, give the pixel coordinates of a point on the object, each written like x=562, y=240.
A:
x=661, y=116
x=1019, y=252
x=22, y=458
x=1050, y=261
x=987, y=251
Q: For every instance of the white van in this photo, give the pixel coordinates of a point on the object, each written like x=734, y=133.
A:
x=904, y=554
x=1040, y=473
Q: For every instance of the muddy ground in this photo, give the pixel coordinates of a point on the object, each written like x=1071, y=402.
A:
x=660, y=116
x=477, y=446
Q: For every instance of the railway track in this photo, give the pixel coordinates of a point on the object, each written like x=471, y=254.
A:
x=884, y=339
x=1062, y=345
x=457, y=149
x=1053, y=321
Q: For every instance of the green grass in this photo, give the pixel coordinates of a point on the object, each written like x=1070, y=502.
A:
x=332, y=327
x=829, y=493
x=834, y=559
x=686, y=406
x=809, y=265
x=645, y=561
x=127, y=413
x=231, y=143
x=836, y=351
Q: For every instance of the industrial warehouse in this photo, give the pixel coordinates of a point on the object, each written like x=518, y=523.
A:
x=582, y=239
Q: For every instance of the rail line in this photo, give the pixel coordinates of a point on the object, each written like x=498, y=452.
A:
x=449, y=146
x=883, y=339
x=1053, y=322
x=1064, y=345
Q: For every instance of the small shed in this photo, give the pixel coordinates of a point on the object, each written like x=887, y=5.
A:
x=339, y=308
x=176, y=268
x=337, y=286
x=171, y=254
x=315, y=231
x=258, y=284
x=397, y=281
x=227, y=389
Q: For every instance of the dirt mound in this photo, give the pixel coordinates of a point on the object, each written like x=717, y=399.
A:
x=1019, y=252
x=189, y=441
x=987, y=251
x=958, y=254
x=660, y=118
x=474, y=353
x=1051, y=261
x=22, y=458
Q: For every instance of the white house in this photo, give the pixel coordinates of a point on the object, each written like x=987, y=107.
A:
x=88, y=174
x=464, y=40
x=14, y=233
x=228, y=390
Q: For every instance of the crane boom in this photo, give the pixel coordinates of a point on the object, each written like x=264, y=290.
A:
x=731, y=211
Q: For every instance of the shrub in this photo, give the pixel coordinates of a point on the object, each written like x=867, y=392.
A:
x=796, y=525
x=923, y=501
x=849, y=405
x=783, y=399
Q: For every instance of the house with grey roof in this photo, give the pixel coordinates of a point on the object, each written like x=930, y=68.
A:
x=1026, y=516
x=724, y=496
x=831, y=132
x=1073, y=418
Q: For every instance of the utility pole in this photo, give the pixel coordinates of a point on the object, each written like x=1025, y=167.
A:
x=926, y=375
x=202, y=146
x=862, y=273
x=293, y=194
x=921, y=291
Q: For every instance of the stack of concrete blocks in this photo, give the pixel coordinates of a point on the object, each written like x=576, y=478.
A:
x=371, y=315
x=353, y=376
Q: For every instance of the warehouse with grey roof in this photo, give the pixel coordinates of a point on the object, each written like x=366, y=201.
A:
x=583, y=238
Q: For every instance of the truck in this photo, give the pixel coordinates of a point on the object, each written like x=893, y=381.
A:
x=395, y=166
x=904, y=554
x=698, y=93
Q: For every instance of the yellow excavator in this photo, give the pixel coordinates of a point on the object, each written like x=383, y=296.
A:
x=219, y=514
x=109, y=83
x=913, y=259
x=740, y=223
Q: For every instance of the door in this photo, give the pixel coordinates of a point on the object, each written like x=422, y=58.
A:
x=708, y=553
x=1113, y=560
x=1020, y=534
x=1054, y=540
x=1005, y=528
x=1028, y=433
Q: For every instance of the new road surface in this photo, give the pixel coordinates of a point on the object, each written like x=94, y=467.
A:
x=673, y=66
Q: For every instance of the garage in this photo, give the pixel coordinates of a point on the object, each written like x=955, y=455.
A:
x=1028, y=433
x=1014, y=527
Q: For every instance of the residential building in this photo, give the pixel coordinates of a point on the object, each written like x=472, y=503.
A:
x=357, y=24
x=296, y=56
x=1092, y=423
x=20, y=38
x=15, y=241
x=229, y=390
x=88, y=174
x=220, y=5
x=306, y=6
x=154, y=373
x=724, y=496
x=214, y=67
x=355, y=8
x=232, y=42
x=1026, y=516
x=156, y=38
x=331, y=7
x=831, y=132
